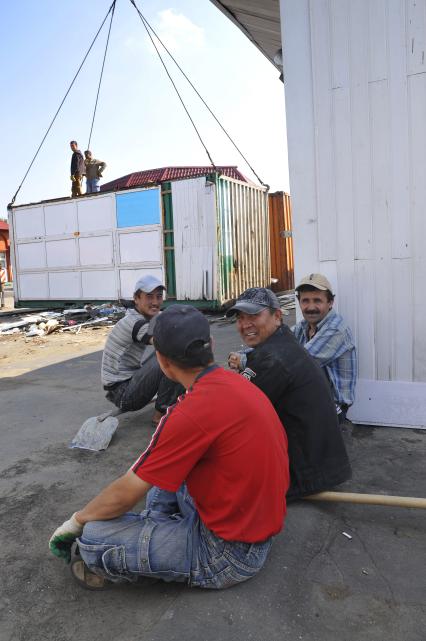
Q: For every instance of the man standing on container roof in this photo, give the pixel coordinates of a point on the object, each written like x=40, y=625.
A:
x=215, y=483
x=94, y=169
x=78, y=169
x=298, y=389
x=130, y=372
x=327, y=338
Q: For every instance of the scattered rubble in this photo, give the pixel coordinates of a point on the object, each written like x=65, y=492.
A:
x=44, y=323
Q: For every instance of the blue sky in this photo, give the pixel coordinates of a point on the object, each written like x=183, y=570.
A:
x=140, y=123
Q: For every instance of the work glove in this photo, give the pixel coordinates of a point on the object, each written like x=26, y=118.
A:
x=72, y=178
x=63, y=537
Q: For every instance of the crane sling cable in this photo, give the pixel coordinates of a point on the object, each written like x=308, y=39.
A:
x=102, y=72
x=146, y=24
x=174, y=85
x=369, y=499
x=60, y=106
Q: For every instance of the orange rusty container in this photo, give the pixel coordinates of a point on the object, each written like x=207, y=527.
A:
x=281, y=241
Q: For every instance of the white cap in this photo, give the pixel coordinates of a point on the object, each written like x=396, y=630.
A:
x=148, y=283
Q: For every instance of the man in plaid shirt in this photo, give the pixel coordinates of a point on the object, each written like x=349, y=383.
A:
x=327, y=338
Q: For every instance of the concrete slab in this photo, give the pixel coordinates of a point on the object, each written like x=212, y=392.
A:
x=318, y=585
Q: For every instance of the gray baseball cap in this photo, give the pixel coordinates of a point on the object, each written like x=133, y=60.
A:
x=254, y=300
x=148, y=283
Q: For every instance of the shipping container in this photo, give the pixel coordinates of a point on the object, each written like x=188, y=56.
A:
x=207, y=237
x=281, y=241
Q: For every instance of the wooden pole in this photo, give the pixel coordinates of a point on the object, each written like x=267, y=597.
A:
x=369, y=499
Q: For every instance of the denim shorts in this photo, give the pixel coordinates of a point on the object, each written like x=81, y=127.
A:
x=169, y=541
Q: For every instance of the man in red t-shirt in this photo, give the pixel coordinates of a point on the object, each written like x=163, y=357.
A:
x=215, y=482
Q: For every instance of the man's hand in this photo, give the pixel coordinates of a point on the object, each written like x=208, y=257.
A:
x=64, y=536
x=72, y=178
x=234, y=361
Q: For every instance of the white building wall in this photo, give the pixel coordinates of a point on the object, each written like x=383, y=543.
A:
x=355, y=83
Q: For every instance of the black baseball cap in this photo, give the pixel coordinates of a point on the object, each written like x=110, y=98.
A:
x=178, y=328
x=254, y=300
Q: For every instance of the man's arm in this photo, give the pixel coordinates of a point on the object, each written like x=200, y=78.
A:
x=100, y=168
x=116, y=499
x=328, y=345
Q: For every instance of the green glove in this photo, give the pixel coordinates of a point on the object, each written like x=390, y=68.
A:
x=64, y=536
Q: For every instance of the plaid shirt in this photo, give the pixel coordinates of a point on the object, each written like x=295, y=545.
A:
x=333, y=347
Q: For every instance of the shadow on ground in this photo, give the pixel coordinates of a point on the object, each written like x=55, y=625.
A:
x=317, y=584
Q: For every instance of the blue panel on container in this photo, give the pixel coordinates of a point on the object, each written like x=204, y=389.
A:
x=139, y=208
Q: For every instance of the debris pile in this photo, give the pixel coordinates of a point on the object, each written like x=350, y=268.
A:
x=68, y=320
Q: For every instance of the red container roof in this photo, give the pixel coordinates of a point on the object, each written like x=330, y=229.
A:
x=163, y=174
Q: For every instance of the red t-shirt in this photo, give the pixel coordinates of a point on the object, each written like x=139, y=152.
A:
x=226, y=441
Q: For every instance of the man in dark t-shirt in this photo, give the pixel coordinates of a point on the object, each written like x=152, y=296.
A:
x=298, y=389
x=215, y=484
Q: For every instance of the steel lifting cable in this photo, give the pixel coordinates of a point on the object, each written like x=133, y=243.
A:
x=146, y=24
x=102, y=72
x=62, y=102
x=171, y=80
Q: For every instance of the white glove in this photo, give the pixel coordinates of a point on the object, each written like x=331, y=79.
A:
x=64, y=536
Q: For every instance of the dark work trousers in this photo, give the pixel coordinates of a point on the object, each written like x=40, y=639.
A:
x=76, y=187
x=138, y=391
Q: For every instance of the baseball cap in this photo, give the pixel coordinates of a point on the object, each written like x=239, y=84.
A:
x=178, y=328
x=254, y=300
x=316, y=280
x=148, y=283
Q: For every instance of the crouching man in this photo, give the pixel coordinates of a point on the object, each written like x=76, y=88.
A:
x=298, y=389
x=215, y=483
x=130, y=373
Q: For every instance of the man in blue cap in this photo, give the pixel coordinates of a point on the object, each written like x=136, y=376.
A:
x=130, y=373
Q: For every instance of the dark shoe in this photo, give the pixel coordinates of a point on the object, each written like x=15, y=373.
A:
x=84, y=577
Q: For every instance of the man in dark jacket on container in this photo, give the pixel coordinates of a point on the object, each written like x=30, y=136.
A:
x=78, y=169
x=297, y=387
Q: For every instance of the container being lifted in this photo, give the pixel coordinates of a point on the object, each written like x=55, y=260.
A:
x=207, y=237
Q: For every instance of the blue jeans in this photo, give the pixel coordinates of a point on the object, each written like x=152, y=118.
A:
x=169, y=541
x=92, y=185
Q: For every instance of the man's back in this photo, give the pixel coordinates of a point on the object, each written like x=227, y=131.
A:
x=123, y=354
x=225, y=440
x=301, y=395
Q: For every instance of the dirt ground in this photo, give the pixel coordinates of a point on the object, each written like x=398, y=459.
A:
x=19, y=354
x=317, y=585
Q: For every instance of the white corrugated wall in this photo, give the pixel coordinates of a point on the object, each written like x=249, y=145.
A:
x=355, y=83
x=194, y=223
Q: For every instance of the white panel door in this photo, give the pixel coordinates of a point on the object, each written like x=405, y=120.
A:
x=60, y=218
x=96, y=250
x=96, y=213
x=33, y=286
x=29, y=223
x=99, y=284
x=64, y=285
x=61, y=253
x=194, y=221
x=140, y=247
x=128, y=278
x=31, y=256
